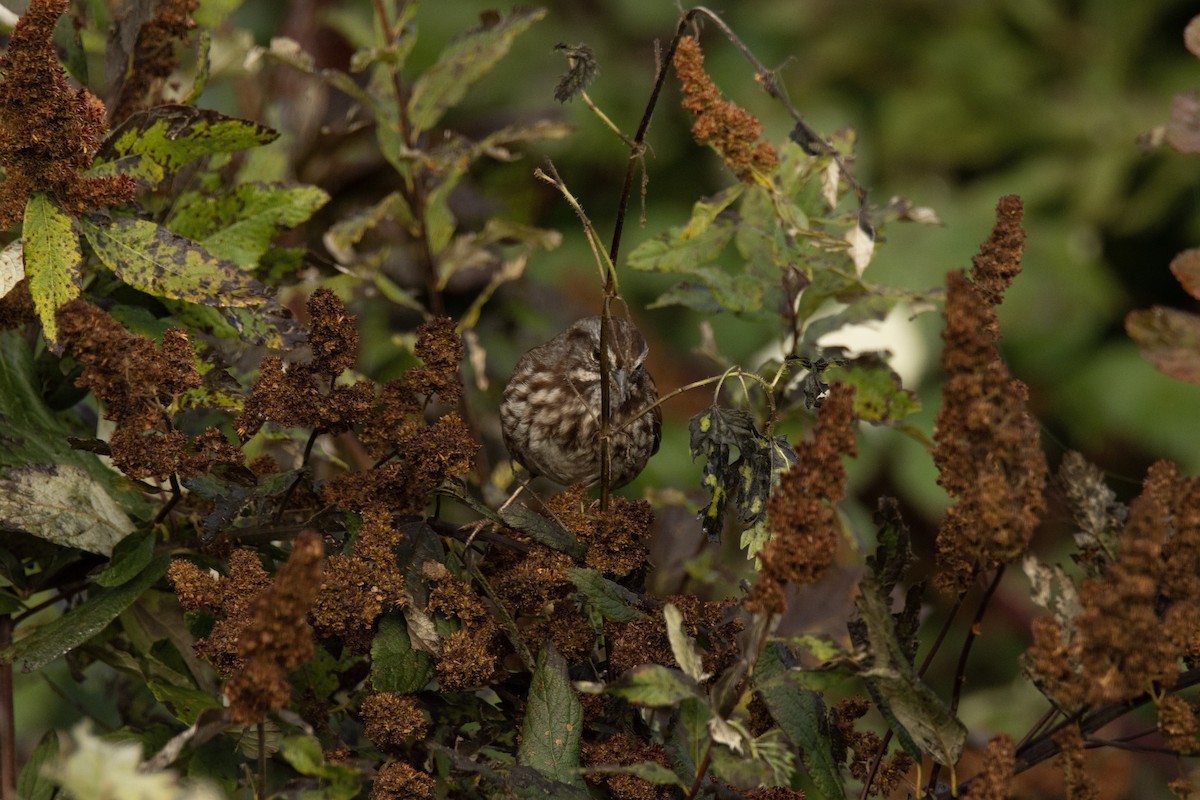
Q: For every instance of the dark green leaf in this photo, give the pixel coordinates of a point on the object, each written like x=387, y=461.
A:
x=879, y=396
x=613, y=601
x=462, y=63
x=163, y=264
x=239, y=225
x=155, y=143
x=395, y=665
x=52, y=260
x=650, y=771
x=129, y=558
x=186, y=704
x=654, y=685
x=716, y=433
x=33, y=784
x=83, y=622
x=582, y=70
x=341, y=238
x=339, y=781
x=553, y=721
x=909, y=701
x=800, y=713
x=893, y=549
x=542, y=530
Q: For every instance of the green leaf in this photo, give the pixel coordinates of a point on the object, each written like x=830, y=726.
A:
x=288, y=51
x=33, y=784
x=341, y=781
x=31, y=434
x=649, y=771
x=1168, y=338
x=464, y=62
x=163, y=264
x=694, y=256
x=612, y=600
x=63, y=504
x=542, y=530
x=185, y=703
x=800, y=713
x=654, y=685
x=396, y=666
x=82, y=622
x=239, y=225
x=553, y=721
x=52, y=260
x=682, y=645
x=129, y=557
x=912, y=704
x=341, y=238
x=879, y=395
x=155, y=143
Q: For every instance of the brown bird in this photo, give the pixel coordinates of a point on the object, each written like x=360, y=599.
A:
x=550, y=416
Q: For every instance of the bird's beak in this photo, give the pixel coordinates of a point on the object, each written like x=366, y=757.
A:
x=621, y=379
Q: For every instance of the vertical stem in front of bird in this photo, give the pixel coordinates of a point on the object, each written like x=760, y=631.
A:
x=605, y=398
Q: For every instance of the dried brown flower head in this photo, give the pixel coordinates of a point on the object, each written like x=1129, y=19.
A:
x=277, y=639
x=860, y=748
x=154, y=56
x=358, y=589
x=441, y=350
x=988, y=452
x=49, y=132
x=623, y=749
x=722, y=124
x=392, y=720
x=399, y=781
x=139, y=384
x=1178, y=725
x=802, y=510
x=332, y=334
x=995, y=780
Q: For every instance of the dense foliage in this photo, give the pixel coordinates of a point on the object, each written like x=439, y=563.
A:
x=251, y=483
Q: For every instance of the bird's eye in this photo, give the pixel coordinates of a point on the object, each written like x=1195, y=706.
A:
x=596, y=355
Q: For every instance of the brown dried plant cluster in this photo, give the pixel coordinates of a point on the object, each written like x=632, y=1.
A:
x=276, y=638
x=859, y=749
x=729, y=129
x=262, y=634
x=994, y=781
x=49, y=132
x=140, y=385
x=155, y=56
x=1140, y=618
x=988, y=453
x=802, y=511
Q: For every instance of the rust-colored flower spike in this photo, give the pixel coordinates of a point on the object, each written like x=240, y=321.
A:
x=155, y=56
x=802, y=511
x=278, y=639
x=332, y=334
x=999, y=762
x=988, y=453
x=731, y=130
x=48, y=131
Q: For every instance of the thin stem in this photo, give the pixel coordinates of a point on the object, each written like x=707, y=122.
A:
x=262, y=761
x=960, y=670
x=608, y=273
x=605, y=404
x=176, y=496
x=8, y=728
x=701, y=768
